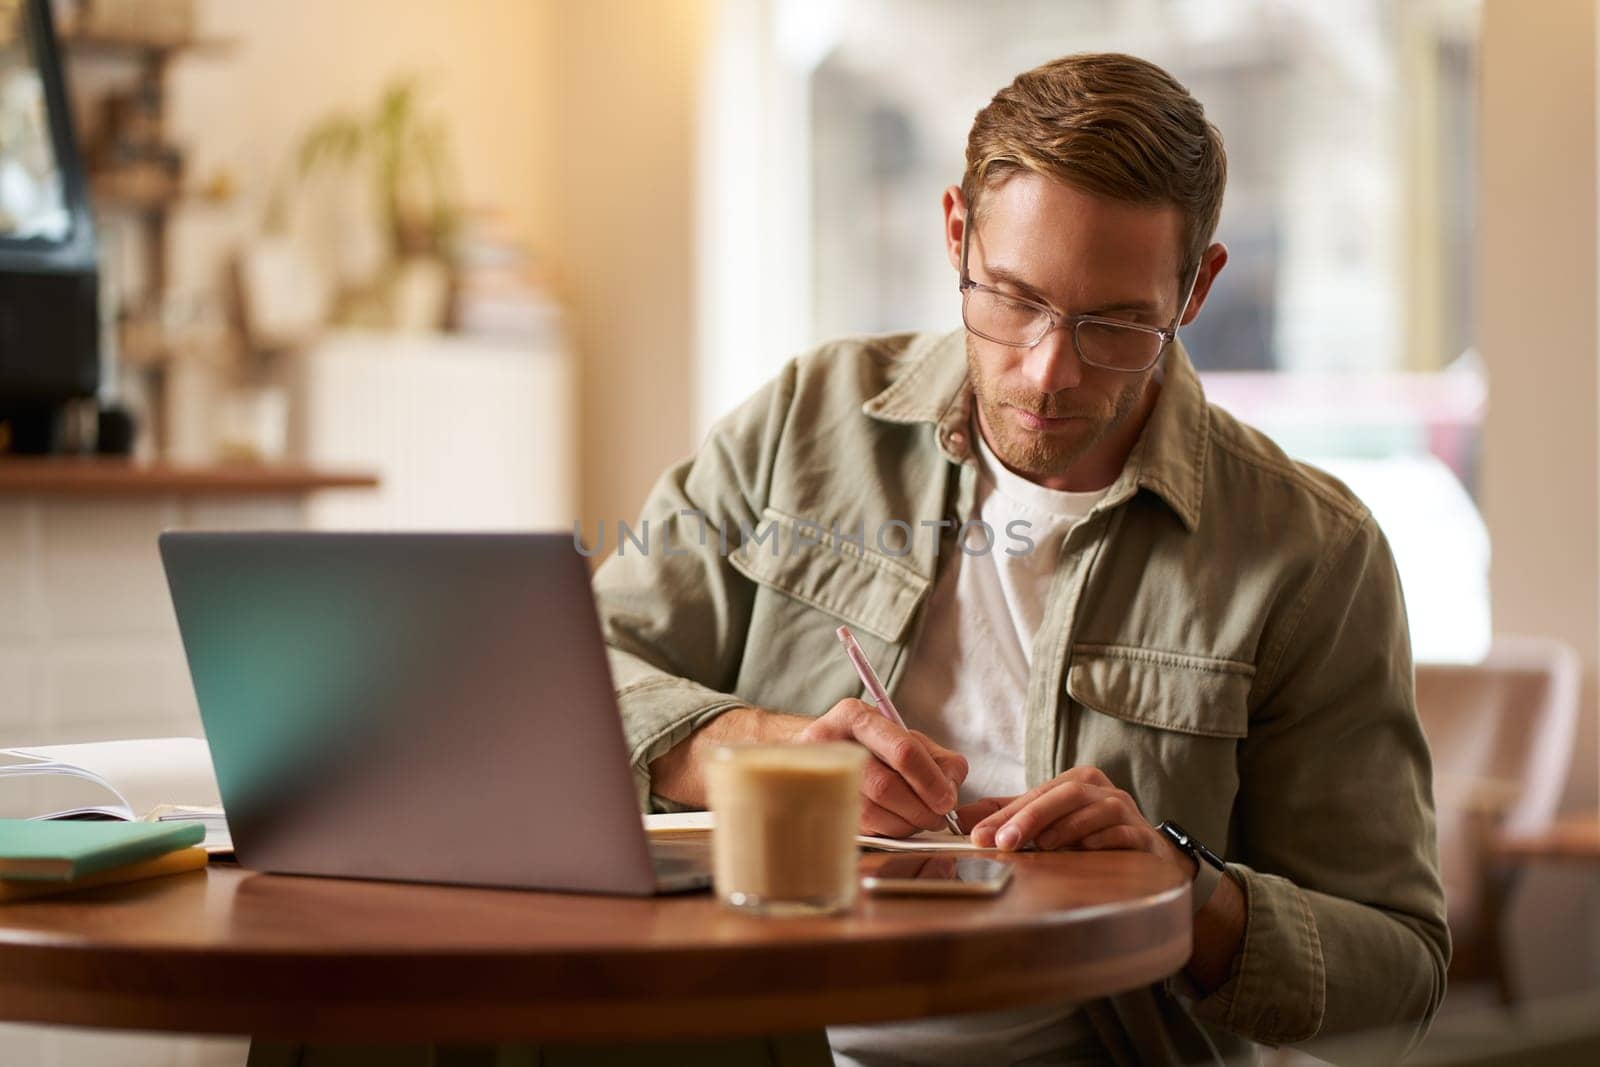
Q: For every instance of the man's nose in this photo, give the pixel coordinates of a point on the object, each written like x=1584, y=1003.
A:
x=1053, y=365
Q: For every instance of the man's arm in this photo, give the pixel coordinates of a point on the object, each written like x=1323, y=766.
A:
x=1344, y=913
x=1337, y=923
x=678, y=775
x=676, y=620
x=675, y=617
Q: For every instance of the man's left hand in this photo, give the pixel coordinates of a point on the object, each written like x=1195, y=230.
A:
x=1079, y=808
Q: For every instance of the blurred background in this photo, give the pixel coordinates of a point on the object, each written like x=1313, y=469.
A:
x=492, y=264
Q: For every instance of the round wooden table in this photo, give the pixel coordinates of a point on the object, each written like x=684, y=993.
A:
x=229, y=951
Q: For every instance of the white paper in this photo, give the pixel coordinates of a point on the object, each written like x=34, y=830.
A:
x=127, y=777
x=926, y=841
x=678, y=820
x=218, y=839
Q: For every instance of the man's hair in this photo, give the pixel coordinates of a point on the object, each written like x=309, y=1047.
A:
x=1108, y=124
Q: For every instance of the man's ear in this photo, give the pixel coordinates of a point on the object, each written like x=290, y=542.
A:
x=1211, y=264
x=955, y=222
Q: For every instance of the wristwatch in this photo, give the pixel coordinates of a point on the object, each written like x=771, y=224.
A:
x=1208, y=866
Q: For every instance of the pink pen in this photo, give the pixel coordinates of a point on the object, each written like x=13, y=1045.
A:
x=880, y=696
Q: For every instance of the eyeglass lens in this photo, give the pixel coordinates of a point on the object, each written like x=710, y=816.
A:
x=992, y=315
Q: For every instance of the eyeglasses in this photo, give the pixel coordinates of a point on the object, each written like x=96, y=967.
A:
x=1018, y=322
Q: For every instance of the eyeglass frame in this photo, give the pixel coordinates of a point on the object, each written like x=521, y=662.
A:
x=1057, y=320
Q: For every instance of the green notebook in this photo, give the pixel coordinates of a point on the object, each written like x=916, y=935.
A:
x=47, y=850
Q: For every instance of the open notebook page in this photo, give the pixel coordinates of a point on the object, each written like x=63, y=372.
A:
x=926, y=841
x=124, y=778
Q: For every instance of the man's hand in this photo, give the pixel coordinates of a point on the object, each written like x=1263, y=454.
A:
x=1079, y=808
x=908, y=784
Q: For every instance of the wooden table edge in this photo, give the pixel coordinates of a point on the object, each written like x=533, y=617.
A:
x=474, y=996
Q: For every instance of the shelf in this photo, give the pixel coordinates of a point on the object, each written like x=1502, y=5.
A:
x=137, y=47
x=101, y=476
x=138, y=195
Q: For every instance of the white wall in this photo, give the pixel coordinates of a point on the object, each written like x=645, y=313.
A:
x=575, y=122
x=1539, y=333
x=1539, y=330
x=89, y=647
x=293, y=62
x=625, y=83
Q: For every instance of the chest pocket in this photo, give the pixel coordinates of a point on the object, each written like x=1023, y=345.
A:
x=808, y=584
x=1165, y=727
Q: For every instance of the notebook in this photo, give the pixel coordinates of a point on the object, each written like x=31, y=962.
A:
x=163, y=779
x=925, y=841
x=184, y=859
x=60, y=850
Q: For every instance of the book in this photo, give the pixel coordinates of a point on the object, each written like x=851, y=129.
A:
x=160, y=779
x=924, y=841
x=58, y=850
x=176, y=862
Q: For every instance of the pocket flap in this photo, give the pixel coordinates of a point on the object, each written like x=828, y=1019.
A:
x=1170, y=691
x=863, y=588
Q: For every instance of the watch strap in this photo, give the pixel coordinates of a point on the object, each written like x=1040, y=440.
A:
x=1206, y=880
x=1208, y=866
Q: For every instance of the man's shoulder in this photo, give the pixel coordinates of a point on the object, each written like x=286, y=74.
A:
x=833, y=382
x=1243, y=462
x=861, y=366
x=824, y=395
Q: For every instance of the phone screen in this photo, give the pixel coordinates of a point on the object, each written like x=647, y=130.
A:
x=938, y=874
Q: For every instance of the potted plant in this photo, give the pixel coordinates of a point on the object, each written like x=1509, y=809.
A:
x=405, y=155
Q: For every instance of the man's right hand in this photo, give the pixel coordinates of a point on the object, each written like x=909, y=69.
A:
x=910, y=781
x=908, y=784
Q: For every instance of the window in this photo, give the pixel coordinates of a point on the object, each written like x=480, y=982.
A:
x=1342, y=323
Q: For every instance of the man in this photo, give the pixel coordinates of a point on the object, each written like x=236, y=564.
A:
x=1101, y=604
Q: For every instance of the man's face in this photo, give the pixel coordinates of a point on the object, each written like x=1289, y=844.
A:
x=1046, y=414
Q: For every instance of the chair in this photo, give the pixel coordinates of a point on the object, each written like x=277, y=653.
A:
x=1501, y=732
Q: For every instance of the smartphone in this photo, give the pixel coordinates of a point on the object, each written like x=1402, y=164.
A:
x=939, y=875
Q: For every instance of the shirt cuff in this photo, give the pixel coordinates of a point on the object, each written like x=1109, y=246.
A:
x=657, y=714
x=1276, y=991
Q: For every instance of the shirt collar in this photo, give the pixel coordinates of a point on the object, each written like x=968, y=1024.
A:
x=1169, y=459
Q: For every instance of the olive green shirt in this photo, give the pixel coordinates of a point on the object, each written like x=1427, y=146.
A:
x=1225, y=638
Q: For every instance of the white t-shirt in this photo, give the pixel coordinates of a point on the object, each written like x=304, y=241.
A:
x=966, y=686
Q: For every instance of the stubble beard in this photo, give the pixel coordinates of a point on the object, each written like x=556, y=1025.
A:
x=1038, y=455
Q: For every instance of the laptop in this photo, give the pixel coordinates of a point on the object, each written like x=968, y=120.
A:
x=415, y=707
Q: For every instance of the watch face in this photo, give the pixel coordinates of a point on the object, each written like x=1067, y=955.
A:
x=1192, y=848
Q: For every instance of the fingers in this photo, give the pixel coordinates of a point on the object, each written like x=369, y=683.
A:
x=881, y=822
x=1073, y=828
x=885, y=789
x=1063, y=817
x=969, y=815
x=952, y=764
x=911, y=780
x=1090, y=778
x=983, y=833
x=1070, y=814
x=902, y=752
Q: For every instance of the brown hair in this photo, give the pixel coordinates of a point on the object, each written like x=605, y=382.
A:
x=1108, y=124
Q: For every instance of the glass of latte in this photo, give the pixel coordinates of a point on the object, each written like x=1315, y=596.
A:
x=785, y=836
